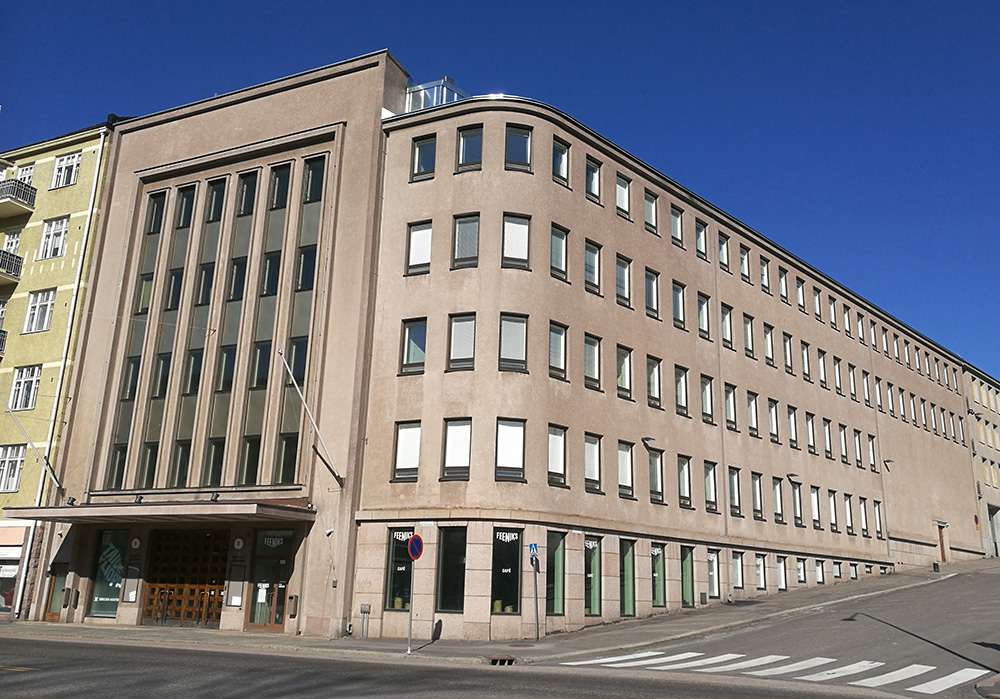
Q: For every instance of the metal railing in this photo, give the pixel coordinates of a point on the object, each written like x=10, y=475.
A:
x=433, y=94
x=11, y=264
x=16, y=189
x=3, y=342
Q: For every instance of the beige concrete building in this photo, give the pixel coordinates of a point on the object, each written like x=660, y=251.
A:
x=513, y=337
x=983, y=398
x=48, y=197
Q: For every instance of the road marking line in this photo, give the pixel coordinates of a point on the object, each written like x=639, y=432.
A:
x=853, y=669
x=794, y=667
x=744, y=664
x=896, y=676
x=633, y=656
x=699, y=663
x=11, y=668
x=650, y=661
x=938, y=685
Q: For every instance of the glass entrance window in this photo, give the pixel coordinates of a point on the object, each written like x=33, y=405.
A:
x=687, y=576
x=451, y=570
x=398, y=569
x=272, y=566
x=626, y=577
x=592, y=576
x=555, y=573
x=109, y=573
x=659, y=575
x=506, y=588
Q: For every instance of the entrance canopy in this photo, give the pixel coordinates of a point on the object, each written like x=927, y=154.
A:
x=166, y=512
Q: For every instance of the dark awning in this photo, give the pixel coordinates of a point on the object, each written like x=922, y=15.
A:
x=164, y=512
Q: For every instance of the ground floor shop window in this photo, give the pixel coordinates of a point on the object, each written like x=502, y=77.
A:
x=451, y=570
x=713, y=573
x=109, y=573
x=506, y=577
x=398, y=570
x=592, y=576
x=555, y=573
x=626, y=577
x=659, y=575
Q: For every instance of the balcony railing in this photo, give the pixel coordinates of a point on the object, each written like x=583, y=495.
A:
x=433, y=94
x=10, y=266
x=16, y=198
x=3, y=342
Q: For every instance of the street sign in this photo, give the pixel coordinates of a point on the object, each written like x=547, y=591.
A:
x=533, y=550
x=415, y=547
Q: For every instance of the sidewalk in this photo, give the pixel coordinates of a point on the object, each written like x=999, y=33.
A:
x=618, y=637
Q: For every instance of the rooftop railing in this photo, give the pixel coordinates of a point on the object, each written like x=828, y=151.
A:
x=433, y=94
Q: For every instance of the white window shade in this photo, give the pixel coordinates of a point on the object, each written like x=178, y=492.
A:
x=625, y=465
x=407, y=447
x=512, y=339
x=515, y=239
x=458, y=442
x=420, y=245
x=557, y=450
x=557, y=347
x=592, y=458
x=510, y=448
x=463, y=338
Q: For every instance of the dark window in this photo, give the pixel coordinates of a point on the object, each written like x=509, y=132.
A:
x=555, y=573
x=226, y=368
x=398, y=570
x=506, y=586
x=260, y=364
x=185, y=206
x=216, y=198
x=423, y=157
x=161, y=376
x=147, y=469
x=249, y=461
x=288, y=447
x=154, y=221
x=280, y=177
x=182, y=461
x=237, y=279
x=175, y=281
x=298, y=349
x=206, y=279
x=214, y=455
x=466, y=250
x=130, y=380
x=116, y=467
x=247, y=193
x=192, y=373
x=143, y=293
x=269, y=274
x=305, y=273
x=470, y=148
x=517, y=153
x=314, y=180
x=414, y=344
x=451, y=569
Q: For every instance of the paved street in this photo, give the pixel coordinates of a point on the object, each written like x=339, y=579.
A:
x=932, y=640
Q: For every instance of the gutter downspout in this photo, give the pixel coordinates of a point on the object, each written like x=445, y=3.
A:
x=62, y=366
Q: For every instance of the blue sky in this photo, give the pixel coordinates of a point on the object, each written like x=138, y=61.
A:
x=861, y=136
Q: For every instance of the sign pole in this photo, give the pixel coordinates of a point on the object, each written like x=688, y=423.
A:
x=409, y=632
x=533, y=556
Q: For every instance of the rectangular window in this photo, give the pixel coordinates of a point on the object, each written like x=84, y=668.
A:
x=206, y=280
x=271, y=270
x=800, y=570
x=821, y=363
x=192, y=371
x=312, y=189
x=557, y=455
x=676, y=229
x=877, y=515
x=752, y=413
x=678, y=304
x=161, y=376
x=843, y=443
x=624, y=371
x=555, y=573
x=517, y=151
x=832, y=496
x=804, y=346
x=726, y=320
x=724, y=252
x=146, y=476
x=12, y=241
x=39, y=314
x=457, y=451
x=424, y=149
x=260, y=364
x=745, y=263
x=557, y=351
x=591, y=576
x=818, y=303
x=418, y=256
x=225, y=368
x=711, y=493
x=592, y=462
x=249, y=461
x=772, y=419
x=465, y=252
x=398, y=571
x=407, y=451
x=800, y=294
x=852, y=383
x=765, y=275
x=462, y=346
x=592, y=267
x=280, y=177
x=779, y=505
x=178, y=477
x=701, y=239
x=130, y=378
x=185, y=207
x=66, y=170
x=837, y=382
x=872, y=461
x=622, y=192
x=557, y=252
x=470, y=149
x=515, y=242
x=680, y=390
x=748, y=348
x=713, y=573
x=769, y=344
x=11, y=462
x=414, y=345
x=593, y=180
x=793, y=427
x=655, y=475
x=786, y=348
x=833, y=311
x=735, y=507
x=782, y=573
x=650, y=211
x=760, y=567
x=53, y=239
x=513, y=343
x=653, y=394
x=820, y=571
x=684, y=480
x=848, y=513
x=730, y=406
x=25, y=173
x=625, y=487
x=175, y=281
x=757, y=495
x=797, y=503
x=659, y=575
x=811, y=432
x=560, y=160
x=451, y=569
x=623, y=280
x=866, y=388
x=237, y=279
x=510, y=449
x=814, y=503
x=707, y=406
x=827, y=440
x=737, y=570
x=592, y=361
x=652, y=293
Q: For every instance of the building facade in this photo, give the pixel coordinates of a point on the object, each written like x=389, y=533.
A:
x=983, y=398
x=559, y=368
x=48, y=210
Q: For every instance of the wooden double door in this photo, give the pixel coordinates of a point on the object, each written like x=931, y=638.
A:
x=187, y=577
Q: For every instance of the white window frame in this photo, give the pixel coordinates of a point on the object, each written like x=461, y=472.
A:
x=24, y=390
x=66, y=170
x=38, y=317
x=54, y=235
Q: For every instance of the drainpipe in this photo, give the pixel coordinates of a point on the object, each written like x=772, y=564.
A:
x=62, y=367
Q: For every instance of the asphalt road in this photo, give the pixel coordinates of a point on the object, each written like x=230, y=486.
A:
x=933, y=640
x=50, y=669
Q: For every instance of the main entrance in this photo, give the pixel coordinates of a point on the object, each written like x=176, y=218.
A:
x=272, y=566
x=187, y=574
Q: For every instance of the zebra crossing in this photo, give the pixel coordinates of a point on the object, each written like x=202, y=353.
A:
x=915, y=678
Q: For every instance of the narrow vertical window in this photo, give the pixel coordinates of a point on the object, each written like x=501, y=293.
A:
x=461, y=353
x=451, y=569
x=457, y=448
x=557, y=351
x=623, y=189
x=206, y=281
x=280, y=177
x=515, y=242
x=557, y=252
x=593, y=180
x=745, y=263
x=684, y=480
x=517, y=152
x=260, y=364
x=470, y=148
x=735, y=505
x=560, y=161
x=414, y=345
x=704, y=329
x=676, y=229
x=466, y=249
x=701, y=239
x=625, y=470
x=649, y=211
x=270, y=272
x=313, y=187
x=624, y=371
x=513, y=343
x=652, y=293
x=724, y=252
x=592, y=267
x=623, y=281
x=711, y=492
x=510, y=449
x=680, y=390
x=246, y=193
x=655, y=475
x=423, y=158
x=592, y=361
x=653, y=393
x=418, y=257
x=555, y=573
x=592, y=576
x=557, y=455
x=592, y=462
x=678, y=304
